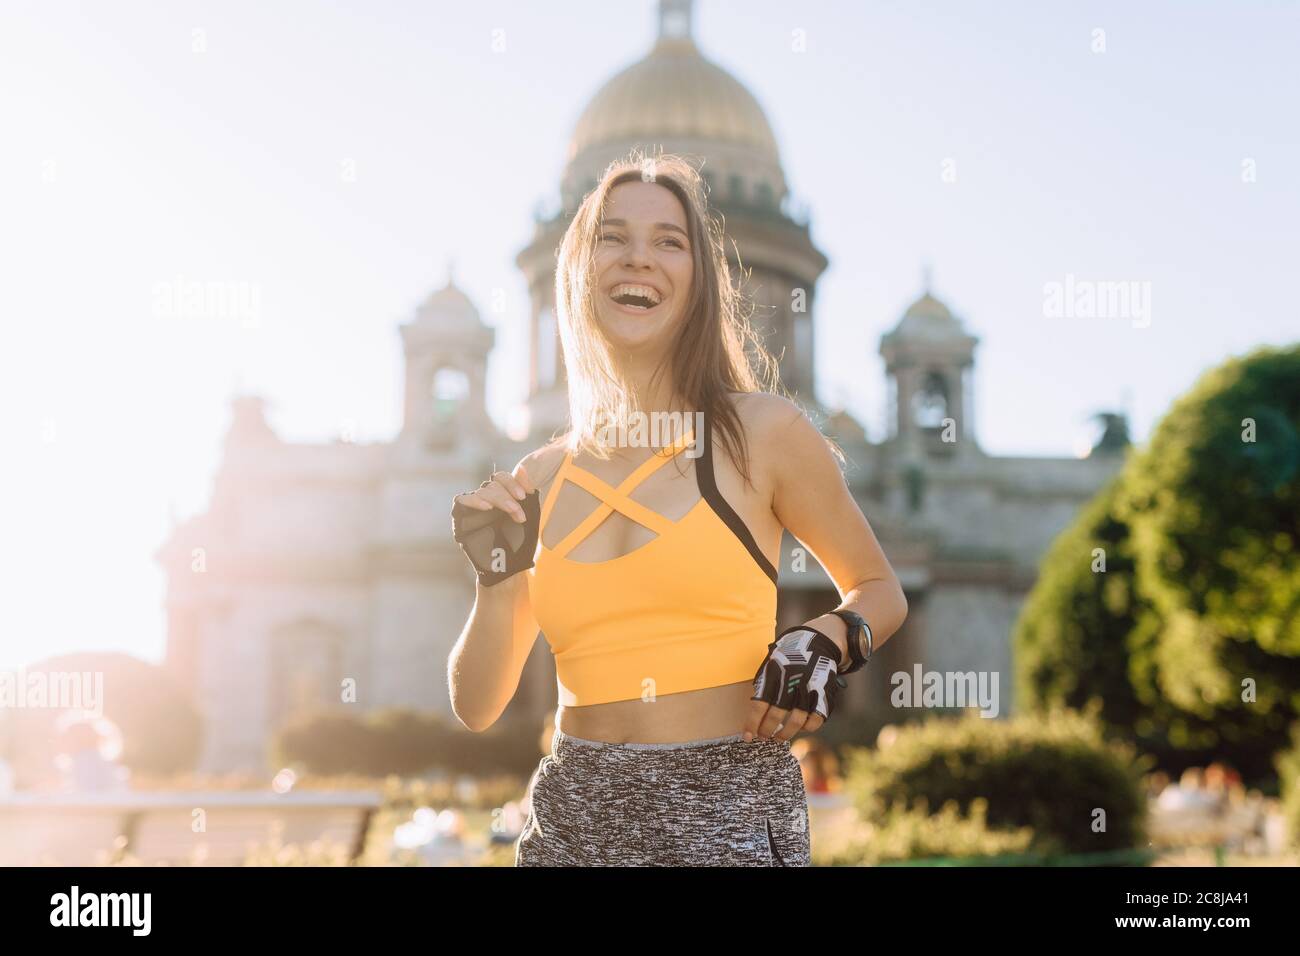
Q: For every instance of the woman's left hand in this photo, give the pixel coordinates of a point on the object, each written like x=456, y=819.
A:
x=795, y=687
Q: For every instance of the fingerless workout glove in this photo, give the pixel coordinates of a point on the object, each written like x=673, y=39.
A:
x=800, y=672
x=496, y=544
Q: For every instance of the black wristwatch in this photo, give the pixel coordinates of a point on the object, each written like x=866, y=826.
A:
x=860, y=640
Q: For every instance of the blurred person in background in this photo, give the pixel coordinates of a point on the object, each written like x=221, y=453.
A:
x=819, y=764
x=83, y=757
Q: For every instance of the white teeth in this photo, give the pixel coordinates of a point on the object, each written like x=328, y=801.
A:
x=642, y=290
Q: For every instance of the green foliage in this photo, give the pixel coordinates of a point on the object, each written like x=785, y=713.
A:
x=275, y=852
x=1086, y=639
x=907, y=834
x=1048, y=772
x=1216, y=514
x=1070, y=639
x=1200, y=597
x=402, y=741
x=334, y=743
x=1215, y=519
x=1288, y=772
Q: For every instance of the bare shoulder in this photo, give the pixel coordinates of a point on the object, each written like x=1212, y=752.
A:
x=764, y=413
x=787, y=440
x=542, y=463
x=765, y=417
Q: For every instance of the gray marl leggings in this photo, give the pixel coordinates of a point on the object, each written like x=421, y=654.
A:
x=716, y=802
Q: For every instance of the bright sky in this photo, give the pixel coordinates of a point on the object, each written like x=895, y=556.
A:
x=333, y=157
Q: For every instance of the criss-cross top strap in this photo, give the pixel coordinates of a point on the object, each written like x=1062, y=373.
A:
x=612, y=498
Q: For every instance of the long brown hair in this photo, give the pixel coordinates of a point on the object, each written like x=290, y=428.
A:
x=709, y=359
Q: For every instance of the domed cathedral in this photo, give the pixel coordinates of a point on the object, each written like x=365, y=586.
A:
x=677, y=101
x=324, y=576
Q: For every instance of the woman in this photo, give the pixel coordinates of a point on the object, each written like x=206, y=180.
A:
x=656, y=586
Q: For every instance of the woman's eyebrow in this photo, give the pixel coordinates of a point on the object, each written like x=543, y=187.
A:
x=659, y=225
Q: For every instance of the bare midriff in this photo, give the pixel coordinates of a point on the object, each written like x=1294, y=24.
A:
x=673, y=718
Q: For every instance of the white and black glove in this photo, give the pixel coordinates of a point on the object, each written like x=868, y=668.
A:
x=800, y=672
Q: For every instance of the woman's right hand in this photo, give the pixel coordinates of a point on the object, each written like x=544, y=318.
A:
x=502, y=490
x=496, y=548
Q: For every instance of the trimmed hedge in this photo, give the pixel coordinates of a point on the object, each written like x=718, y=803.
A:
x=404, y=741
x=1049, y=773
x=907, y=835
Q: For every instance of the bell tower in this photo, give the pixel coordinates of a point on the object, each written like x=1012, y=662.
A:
x=446, y=347
x=929, y=361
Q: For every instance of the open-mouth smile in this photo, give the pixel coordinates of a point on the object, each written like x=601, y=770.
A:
x=635, y=298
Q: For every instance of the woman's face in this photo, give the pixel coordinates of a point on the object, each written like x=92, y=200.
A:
x=643, y=263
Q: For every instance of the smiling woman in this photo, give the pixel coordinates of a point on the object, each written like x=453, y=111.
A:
x=626, y=280
x=656, y=586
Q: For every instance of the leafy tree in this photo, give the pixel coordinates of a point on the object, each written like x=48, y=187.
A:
x=1214, y=503
x=1198, y=603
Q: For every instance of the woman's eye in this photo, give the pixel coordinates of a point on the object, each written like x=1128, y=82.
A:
x=609, y=237
x=677, y=243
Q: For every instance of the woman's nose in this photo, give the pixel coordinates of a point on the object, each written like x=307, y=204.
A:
x=636, y=253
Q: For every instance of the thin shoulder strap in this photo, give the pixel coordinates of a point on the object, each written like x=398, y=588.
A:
x=709, y=491
x=549, y=501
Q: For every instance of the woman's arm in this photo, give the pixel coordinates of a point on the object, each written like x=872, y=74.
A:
x=811, y=499
x=488, y=659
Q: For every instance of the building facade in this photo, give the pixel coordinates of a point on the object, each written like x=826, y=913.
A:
x=326, y=570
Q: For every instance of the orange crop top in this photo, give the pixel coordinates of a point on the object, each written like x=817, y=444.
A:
x=694, y=607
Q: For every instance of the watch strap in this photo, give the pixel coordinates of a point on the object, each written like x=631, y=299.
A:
x=855, y=622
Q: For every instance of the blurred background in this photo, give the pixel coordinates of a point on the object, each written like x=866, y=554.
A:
x=279, y=280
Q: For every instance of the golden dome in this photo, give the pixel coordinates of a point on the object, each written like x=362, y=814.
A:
x=672, y=94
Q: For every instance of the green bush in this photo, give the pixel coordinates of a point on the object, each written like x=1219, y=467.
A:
x=333, y=743
x=402, y=741
x=1288, y=772
x=907, y=834
x=1048, y=772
